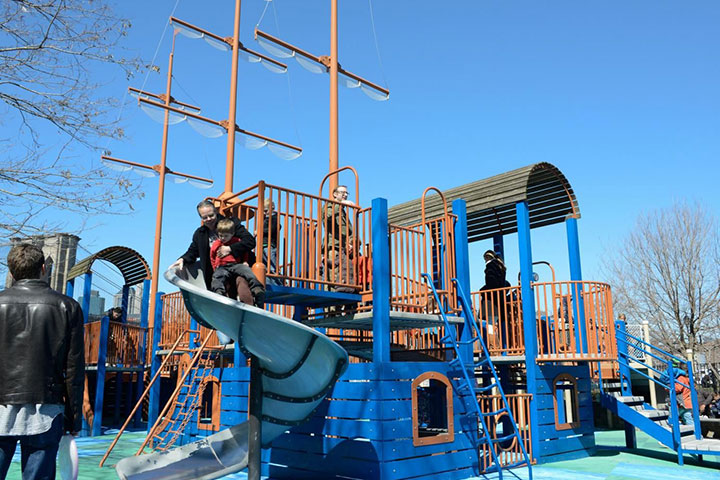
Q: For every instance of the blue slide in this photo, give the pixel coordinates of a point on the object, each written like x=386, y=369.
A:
x=299, y=366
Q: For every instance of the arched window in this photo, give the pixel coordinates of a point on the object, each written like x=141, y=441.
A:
x=432, y=409
x=565, y=399
x=209, y=411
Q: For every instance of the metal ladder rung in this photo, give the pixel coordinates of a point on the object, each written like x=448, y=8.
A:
x=485, y=388
x=502, y=439
x=495, y=412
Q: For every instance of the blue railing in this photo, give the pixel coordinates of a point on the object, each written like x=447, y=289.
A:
x=666, y=378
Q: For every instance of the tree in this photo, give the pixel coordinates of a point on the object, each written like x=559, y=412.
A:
x=53, y=104
x=667, y=271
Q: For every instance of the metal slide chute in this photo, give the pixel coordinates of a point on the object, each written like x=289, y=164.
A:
x=298, y=366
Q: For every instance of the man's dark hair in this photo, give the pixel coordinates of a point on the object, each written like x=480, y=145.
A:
x=25, y=261
x=206, y=203
x=339, y=187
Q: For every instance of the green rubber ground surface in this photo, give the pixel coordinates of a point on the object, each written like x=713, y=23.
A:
x=650, y=461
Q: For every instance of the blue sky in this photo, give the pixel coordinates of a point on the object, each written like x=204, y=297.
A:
x=621, y=96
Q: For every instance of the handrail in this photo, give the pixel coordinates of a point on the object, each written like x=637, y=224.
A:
x=467, y=309
x=672, y=380
x=144, y=394
x=174, y=395
x=335, y=172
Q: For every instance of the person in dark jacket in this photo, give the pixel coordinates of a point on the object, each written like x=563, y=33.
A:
x=204, y=237
x=493, y=303
x=42, y=366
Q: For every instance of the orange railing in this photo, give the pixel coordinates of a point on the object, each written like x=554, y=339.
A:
x=508, y=452
x=123, y=343
x=574, y=321
x=499, y=312
x=297, y=238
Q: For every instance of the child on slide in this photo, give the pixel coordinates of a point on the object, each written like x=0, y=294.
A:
x=228, y=268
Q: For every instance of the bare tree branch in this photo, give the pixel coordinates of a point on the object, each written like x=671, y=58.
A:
x=667, y=271
x=49, y=51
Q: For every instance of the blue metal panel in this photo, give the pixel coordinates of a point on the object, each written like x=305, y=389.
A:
x=381, y=281
x=528, y=306
x=100, y=383
x=462, y=262
x=87, y=288
x=154, y=402
x=499, y=245
x=576, y=275
x=70, y=288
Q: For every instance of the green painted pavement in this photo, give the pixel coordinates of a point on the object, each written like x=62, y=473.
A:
x=611, y=461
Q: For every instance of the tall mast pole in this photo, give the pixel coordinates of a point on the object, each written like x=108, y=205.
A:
x=230, y=160
x=334, y=154
x=161, y=193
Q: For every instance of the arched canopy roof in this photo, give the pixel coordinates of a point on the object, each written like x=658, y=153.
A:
x=491, y=202
x=131, y=264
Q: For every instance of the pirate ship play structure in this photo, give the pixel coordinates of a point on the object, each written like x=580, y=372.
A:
x=378, y=362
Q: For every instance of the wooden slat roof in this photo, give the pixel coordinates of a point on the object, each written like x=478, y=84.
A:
x=131, y=264
x=491, y=202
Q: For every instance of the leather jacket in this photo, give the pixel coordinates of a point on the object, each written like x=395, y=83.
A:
x=42, y=355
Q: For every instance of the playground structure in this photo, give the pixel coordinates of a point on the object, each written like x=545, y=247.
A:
x=115, y=352
x=424, y=378
x=441, y=381
x=484, y=378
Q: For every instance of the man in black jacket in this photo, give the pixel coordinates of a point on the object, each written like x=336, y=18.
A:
x=42, y=366
x=206, y=234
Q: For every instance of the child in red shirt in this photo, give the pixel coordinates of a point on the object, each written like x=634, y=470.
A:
x=227, y=268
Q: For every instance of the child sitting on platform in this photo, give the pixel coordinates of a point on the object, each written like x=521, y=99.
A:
x=227, y=268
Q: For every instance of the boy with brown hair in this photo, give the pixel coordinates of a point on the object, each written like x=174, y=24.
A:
x=227, y=268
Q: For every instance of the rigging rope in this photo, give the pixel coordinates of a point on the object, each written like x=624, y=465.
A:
x=377, y=46
x=290, y=96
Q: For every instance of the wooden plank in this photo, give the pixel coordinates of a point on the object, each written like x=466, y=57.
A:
x=389, y=450
x=438, y=465
x=372, y=430
x=564, y=445
x=550, y=432
x=235, y=389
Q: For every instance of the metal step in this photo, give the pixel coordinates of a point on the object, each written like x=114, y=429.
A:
x=704, y=444
x=627, y=400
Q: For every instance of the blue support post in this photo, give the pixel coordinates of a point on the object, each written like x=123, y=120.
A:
x=124, y=302
x=571, y=227
x=154, y=403
x=528, y=312
x=144, y=307
x=381, y=281
x=87, y=290
x=499, y=245
x=70, y=288
x=625, y=384
x=193, y=340
x=100, y=381
x=462, y=263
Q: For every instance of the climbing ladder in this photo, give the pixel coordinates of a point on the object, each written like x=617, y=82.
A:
x=662, y=424
x=469, y=386
x=184, y=402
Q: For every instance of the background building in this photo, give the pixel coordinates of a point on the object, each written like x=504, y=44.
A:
x=60, y=250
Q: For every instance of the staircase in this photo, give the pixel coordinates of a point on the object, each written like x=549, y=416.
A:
x=472, y=391
x=662, y=425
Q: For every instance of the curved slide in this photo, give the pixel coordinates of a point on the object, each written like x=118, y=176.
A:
x=299, y=366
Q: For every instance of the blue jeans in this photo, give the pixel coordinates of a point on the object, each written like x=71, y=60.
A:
x=686, y=417
x=37, y=452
